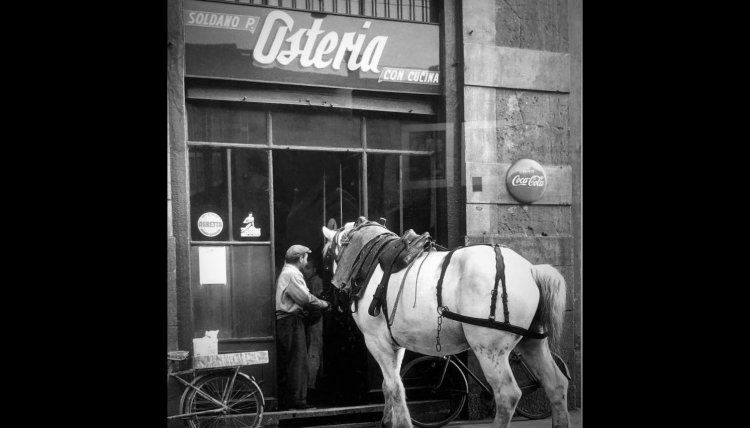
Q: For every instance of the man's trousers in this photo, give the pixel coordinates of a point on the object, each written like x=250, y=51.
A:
x=291, y=346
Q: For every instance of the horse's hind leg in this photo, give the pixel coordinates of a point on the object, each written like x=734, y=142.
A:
x=395, y=412
x=492, y=349
x=536, y=354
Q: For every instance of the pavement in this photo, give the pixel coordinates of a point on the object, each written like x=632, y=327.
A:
x=575, y=422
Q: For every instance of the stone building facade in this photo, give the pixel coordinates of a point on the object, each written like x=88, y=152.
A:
x=522, y=99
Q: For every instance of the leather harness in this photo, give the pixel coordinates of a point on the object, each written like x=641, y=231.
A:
x=394, y=253
x=444, y=311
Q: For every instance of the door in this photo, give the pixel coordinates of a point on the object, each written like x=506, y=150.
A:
x=311, y=188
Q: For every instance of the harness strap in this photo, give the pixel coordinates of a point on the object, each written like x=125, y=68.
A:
x=442, y=275
x=400, y=289
x=493, y=324
x=499, y=278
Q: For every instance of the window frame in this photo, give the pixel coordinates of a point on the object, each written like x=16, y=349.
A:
x=363, y=150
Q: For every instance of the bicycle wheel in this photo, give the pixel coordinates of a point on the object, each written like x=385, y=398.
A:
x=534, y=404
x=244, y=400
x=422, y=382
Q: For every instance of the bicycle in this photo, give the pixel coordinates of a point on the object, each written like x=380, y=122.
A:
x=444, y=379
x=217, y=396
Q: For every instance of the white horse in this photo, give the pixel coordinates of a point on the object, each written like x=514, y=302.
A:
x=536, y=301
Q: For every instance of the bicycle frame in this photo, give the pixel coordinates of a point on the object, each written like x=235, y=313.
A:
x=222, y=404
x=525, y=388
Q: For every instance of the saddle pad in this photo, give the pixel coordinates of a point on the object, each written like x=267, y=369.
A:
x=370, y=261
x=357, y=241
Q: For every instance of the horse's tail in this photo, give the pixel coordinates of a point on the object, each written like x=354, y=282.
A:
x=551, y=308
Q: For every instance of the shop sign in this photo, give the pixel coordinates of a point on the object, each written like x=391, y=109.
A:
x=249, y=231
x=254, y=43
x=526, y=180
x=210, y=224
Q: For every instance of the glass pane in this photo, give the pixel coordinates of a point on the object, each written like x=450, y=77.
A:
x=383, y=189
x=253, y=311
x=315, y=127
x=367, y=9
x=250, y=213
x=224, y=122
x=400, y=133
x=419, y=208
x=307, y=193
x=419, y=10
x=208, y=194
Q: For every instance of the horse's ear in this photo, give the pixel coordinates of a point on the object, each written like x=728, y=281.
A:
x=332, y=224
x=360, y=220
x=328, y=233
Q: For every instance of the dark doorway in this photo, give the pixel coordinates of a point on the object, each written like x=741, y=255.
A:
x=310, y=188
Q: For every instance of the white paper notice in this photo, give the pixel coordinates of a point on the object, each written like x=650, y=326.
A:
x=212, y=264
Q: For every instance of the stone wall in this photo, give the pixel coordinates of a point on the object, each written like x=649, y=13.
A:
x=516, y=104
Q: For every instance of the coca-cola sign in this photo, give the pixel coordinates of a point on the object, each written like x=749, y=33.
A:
x=265, y=44
x=526, y=180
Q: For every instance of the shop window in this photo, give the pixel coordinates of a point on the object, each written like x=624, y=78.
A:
x=383, y=189
x=208, y=194
x=225, y=122
x=250, y=214
x=313, y=127
x=394, y=133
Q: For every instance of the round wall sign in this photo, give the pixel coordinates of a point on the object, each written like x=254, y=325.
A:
x=526, y=180
x=210, y=224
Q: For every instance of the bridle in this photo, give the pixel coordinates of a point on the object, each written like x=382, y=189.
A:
x=333, y=254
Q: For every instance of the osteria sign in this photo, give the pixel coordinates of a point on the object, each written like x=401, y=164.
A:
x=253, y=43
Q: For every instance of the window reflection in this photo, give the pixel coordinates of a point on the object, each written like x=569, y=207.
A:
x=309, y=189
x=399, y=132
x=208, y=190
x=226, y=122
x=419, y=198
x=383, y=189
x=250, y=188
x=315, y=127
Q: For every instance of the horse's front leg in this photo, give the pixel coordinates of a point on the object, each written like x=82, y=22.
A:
x=395, y=412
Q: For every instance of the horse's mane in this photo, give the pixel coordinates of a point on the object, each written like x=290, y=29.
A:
x=361, y=233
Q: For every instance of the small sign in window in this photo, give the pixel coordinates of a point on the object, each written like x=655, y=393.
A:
x=212, y=265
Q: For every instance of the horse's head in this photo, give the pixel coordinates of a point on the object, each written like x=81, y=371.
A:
x=343, y=245
x=336, y=240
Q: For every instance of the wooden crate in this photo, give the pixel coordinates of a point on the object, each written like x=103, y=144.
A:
x=229, y=360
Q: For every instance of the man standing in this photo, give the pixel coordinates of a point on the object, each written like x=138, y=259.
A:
x=292, y=297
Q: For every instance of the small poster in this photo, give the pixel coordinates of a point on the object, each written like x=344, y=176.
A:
x=249, y=231
x=212, y=265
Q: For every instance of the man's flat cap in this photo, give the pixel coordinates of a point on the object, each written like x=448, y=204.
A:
x=296, y=251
